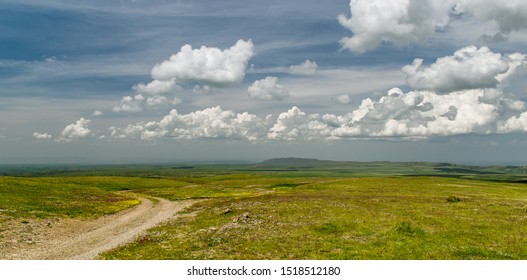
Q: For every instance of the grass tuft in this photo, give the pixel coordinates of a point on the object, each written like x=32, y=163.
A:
x=407, y=229
x=454, y=199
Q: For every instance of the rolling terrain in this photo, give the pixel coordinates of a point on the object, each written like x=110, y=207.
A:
x=287, y=208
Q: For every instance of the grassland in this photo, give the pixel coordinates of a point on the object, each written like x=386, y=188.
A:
x=76, y=197
x=296, y=209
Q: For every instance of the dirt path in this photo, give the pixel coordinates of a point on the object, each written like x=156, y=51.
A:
x=85, y=240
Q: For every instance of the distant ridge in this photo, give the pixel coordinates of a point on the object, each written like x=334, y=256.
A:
x=305, y=162
x=401, y=168
x=295, y=161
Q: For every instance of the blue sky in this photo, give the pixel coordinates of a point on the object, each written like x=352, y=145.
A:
x=147, y=81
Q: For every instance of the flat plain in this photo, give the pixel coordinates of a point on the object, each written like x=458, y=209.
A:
x=282, y=209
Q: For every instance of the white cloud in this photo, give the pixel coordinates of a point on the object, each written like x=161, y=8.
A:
x=206, y=65
x=510, y=15
x=307, y=67
x=415, y=114
x=76, y=130
x=514, y=124
x=405, y=22
x=468, y=68
x=139, y=103
x=97, y=113
x=515, y=60
x=156, y=101
x=41, y=136
x=50, y=59
x=343, y=99
x=456, y=95
x=425, y=113
x=267, y=89
x=156, y=94
x=208, y=123
x=297, y=125
x=401, y=22
x=130, y=104
x=157, y=87
x=289, y=125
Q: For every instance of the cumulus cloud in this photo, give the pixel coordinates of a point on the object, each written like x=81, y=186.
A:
x=468, y=68
x=267, y=89
x=157, y=87
x=97, y=113
x=510, y=15
x=76, y=130
x=515, y=61
x=400, y=22
x=152, y=95
x=289, y=125
x=130, y=104
x=206, y=65
x=425, y=113
x=208, y=123
x=514, y=124
x=414, y=114
x=456, y=95
x=405, y=22
x=297, y=125
x=343, y=99
x=41, y=136
x=155, y=101
x=307, y=67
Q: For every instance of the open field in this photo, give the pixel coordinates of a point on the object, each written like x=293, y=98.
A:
x=291, y=209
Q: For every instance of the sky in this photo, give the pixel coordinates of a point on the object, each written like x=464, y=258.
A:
x=182, y=81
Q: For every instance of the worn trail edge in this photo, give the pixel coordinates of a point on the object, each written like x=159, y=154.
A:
x=94, y=237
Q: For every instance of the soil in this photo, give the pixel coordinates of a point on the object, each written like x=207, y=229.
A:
x=70, y=239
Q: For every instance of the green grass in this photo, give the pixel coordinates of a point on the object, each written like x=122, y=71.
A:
x=279, y=168
x=58, y=197
x=294, y=209
x=362, y=218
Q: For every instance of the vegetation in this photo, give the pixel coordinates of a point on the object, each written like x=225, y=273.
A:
x=284, y=167
x=59, y=197
x=295, y=208
x=363, y=218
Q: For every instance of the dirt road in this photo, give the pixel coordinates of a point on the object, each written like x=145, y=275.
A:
x=86, y=239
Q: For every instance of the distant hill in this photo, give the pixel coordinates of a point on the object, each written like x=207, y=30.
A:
x=294, y=161
x=286, y=167
x=390, y=168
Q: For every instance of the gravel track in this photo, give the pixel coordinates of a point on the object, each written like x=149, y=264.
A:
x=84, y=240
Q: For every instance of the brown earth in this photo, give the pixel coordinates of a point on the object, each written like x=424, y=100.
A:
x=69, y=239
